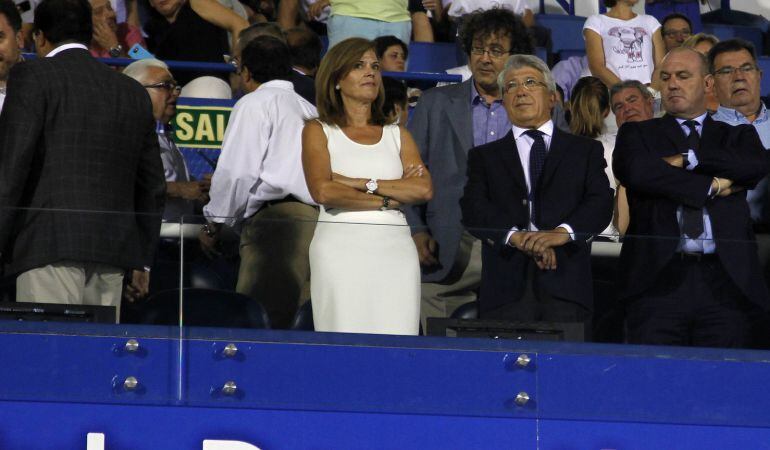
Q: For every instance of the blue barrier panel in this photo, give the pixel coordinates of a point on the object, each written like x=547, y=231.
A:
x=328, y=390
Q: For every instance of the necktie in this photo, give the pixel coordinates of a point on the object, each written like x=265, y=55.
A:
x=536, y=162
x=692, y=218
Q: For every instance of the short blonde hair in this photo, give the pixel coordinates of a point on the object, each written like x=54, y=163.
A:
x=335, y=65
x=696, y=39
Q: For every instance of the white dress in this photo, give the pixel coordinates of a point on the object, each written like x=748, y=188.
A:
x=365, y=274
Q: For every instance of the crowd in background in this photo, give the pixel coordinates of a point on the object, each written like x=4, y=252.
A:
x=504, y=179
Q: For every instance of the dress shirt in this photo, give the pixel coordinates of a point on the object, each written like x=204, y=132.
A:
x=758, y=197
x=2, y=97
x=261, y=153
x=524, y=145
x=175, y=170
x=63, y=47
x=705, y=242
x=490, y=122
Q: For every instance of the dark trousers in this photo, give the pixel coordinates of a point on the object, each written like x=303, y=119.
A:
x=537, y=305
x=694, y=303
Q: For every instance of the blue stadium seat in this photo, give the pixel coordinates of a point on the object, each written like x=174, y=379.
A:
x=751, y=34
x=566, y=31
x=432, y=56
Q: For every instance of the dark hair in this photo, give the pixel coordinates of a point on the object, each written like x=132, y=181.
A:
x=248, y=34
x=730, y=45
x=588, y=103
x=675, y=16
x=383, y=43
x=267, y=58
x=610, y=3
x=496, y=22
x=64, y=21
x=395, y=94
x=305, y=47
x=11, y=13
x=336, y=64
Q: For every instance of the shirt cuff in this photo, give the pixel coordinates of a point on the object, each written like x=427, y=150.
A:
x=569, y=230
x=508, y=237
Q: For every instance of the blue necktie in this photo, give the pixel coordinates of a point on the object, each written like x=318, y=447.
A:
x=537, y=156
x=692, y=218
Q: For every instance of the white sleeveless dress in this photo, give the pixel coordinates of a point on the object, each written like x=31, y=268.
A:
x=365, y=273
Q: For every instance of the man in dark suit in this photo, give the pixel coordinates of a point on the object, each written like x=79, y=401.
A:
x=535, y=198
x=689, y=265
x=447, y=122
x=79, y=157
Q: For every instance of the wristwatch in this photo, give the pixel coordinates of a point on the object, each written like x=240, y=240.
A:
x=385, y=203
x=116, y=51
x=371, y=186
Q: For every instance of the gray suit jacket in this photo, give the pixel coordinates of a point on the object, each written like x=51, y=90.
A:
x=80, y=171
x=442, y=127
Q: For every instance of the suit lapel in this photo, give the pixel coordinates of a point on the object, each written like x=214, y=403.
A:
x=509, y=153
x=556, y=152
x=708, y=134
x=673, y=133
x=460, y=118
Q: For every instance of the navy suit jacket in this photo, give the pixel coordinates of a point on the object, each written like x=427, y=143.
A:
x=573, y=189
x=656, y=190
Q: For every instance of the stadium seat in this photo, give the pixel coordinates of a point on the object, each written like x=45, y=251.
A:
x=566, y=31
x=764, y=64
x=751, y=34
x=433, y=57
x=469, y=310
x=205, y=308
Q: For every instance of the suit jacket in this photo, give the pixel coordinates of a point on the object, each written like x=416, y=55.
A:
x=442, y=127
x=656, y=190
x=304, y=86
x=79, y=152
x=573, y=189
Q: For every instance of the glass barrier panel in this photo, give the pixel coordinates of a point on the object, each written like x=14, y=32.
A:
x=74, y=302
x=539, y=324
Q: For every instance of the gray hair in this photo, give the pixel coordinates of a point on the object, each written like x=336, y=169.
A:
x=138, y=69
x=516, y=62
x=629, y=84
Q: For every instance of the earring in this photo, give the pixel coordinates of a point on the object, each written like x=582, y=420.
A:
x=337, y=87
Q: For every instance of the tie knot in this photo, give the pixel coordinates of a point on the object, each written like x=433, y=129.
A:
x=534, y=134
x=691, y=124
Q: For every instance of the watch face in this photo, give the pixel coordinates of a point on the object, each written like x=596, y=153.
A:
x=371, y=185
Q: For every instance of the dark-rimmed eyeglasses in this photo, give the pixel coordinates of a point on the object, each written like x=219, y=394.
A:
x=170, y=85
x=493, y=52
x=729, y=70
x=529, y=84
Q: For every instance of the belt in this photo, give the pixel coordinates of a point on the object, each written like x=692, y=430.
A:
x=278, y=201
x=695, y=257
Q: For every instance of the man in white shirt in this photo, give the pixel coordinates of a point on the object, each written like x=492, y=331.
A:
x=259, y=183
x=11, y=42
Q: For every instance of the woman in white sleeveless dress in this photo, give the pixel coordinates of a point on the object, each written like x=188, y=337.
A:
x=365, y=274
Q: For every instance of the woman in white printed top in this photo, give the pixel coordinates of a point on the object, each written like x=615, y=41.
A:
x=623, y=45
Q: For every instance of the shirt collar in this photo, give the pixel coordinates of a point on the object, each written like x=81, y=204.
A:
x=546, y=129
x=476, y=98
x=698, y=119
x=163, y=128
x=739, y=117
x=63, y=47
x=280, y=84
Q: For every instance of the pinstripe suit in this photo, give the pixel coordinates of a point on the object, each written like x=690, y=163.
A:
x=78, y=151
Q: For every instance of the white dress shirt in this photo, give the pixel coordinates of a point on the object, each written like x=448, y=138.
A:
x=524, y=146
x=705, y=242
x=261, y=156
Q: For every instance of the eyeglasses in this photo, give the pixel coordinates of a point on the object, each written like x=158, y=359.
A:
x=729, y=70
x=677, y=33
x=529, y=84
x=493, y=52
x=170, y=85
